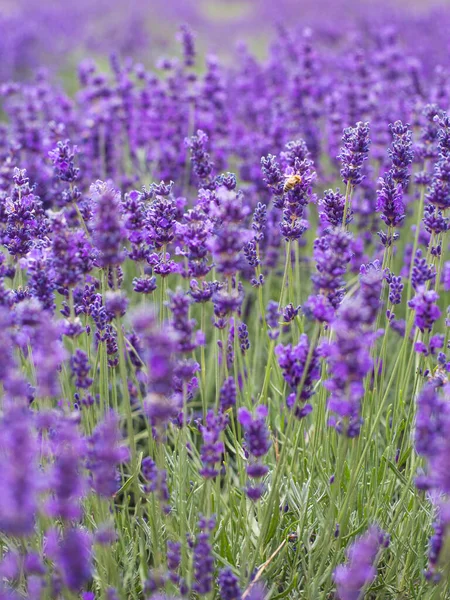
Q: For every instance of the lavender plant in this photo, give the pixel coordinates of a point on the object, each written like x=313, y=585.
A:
x=225, y=322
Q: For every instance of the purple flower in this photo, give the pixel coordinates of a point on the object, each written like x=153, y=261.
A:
x=354, y=151
x=243, y=338
x=157, y=348
x=333, y=204
x=213, y=447
x=25, y=221
x=183, y=326
x=401, y=153
x=193, y=234
x=439, y=192
x=144, y=285
x=436, y=545
x=257, y=435
x=257, y=470
x=433, y=417
x=173, y=555
x=352, y=578
x=349, y=361
x=395, y=287
x=424, y=305
x=108, y=226
x=79, y=364
x=203, y=558
x=251, y=254
x=296, y=197
x=300, y=366
x=290, y=312
x=370, y=280
x=72, y=555
x=229, y=585
x=67, y=480
x=230, y=234
x=63, y=161
x=104, y=455
x=160, y=222
x=272, y=319
x=434, y=220
x=41, y=277
x=273, y=177
x=71, y=254
x=332, y=252
x=318, y=308
x=228, y=394
x=226, y=303
x=259, y=222
x=390, y=201
x=156, y=479
x=116, y=303
x=204, y=292
x=186, y=37
x=105, y=534
x=446, y=276
x=19, y=472
x=33, y=564
x=200, y=158
x=421, y=272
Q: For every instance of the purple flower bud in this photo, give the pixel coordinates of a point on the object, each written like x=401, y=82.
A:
x=212, y=448
x=109, y=231
x=203, y=558
x=104, y=455
x=256, y=433
x=360, y=570
x=354, y=151
x=80, y=368
x=424, y=304
x=229, y=585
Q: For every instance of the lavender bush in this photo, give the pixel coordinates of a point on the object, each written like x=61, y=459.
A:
x=225, y=320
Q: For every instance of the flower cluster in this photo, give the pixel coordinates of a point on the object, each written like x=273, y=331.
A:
x=204, y=261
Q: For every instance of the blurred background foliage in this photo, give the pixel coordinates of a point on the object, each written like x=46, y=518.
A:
x=59, y=34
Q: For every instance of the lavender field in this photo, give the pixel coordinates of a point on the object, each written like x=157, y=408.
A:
x=224, y=300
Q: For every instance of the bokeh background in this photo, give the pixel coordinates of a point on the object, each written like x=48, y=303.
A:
x=59, y=34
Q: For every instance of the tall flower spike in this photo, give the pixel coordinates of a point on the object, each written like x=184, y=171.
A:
x=421, y=272
x=297, y=194
x=272, y=175
x=72, y=555
x=186, y=37
x=20, y=477
x=360, y=571
x=293, y=363
x=109, y=230
x=25, y=220
x=63, y=159
x=401, y=153
x=105, y=453
x=200, y=158
x=432, y=442
x=332, y=252
x=332, y=213
x=354, y=151
x=258, y=443
x=390, y=201
x=229, y=585
x=67, y=480
x=203, y=558
x=212, y=448
x=349, y=361
x=425, y=307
